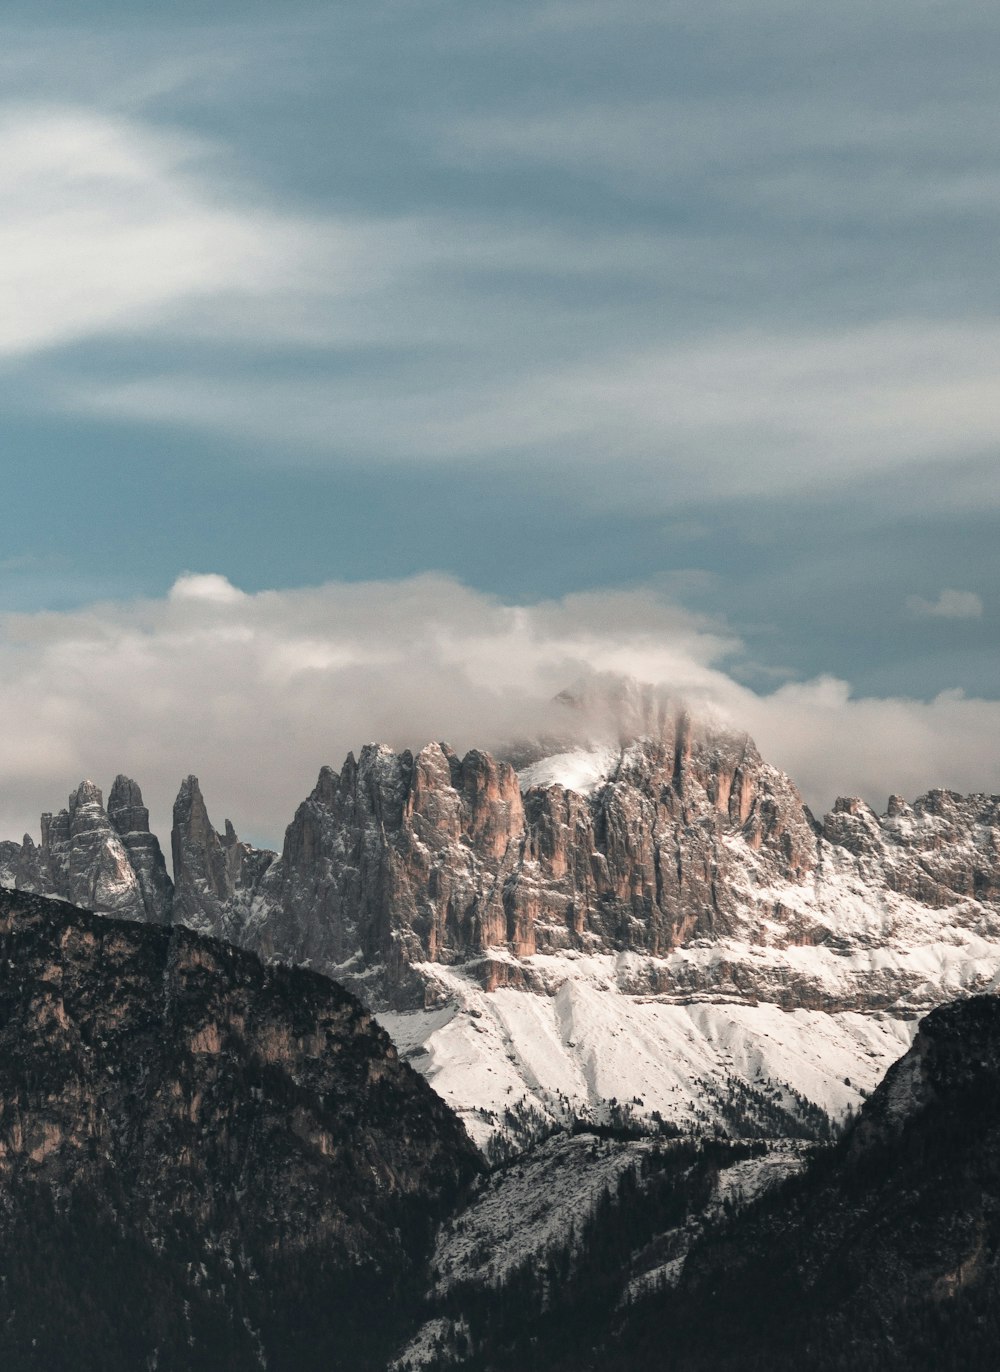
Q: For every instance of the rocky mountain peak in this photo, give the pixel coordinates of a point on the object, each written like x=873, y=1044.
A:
x=326, y=785
x=82, y=858
x=381, y=782
x=101, y=859
x=215, y=875
x=189, y=794
x=675, y=869
x=86, y=794
x=10, y=854
x=130, y=819
x=125, y=799
x=404, y=859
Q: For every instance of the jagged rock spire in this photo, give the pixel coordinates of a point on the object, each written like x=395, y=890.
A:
x=215, y=875
x=108, y=862
x=130, y=819
x=89, y=858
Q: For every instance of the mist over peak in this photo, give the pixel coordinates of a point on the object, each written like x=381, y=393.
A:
x=255, y=692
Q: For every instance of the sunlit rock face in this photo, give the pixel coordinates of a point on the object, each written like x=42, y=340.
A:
x=690, y=853
x=399, y=860
x=682, y=847
x=130, y=819
x=402, y=860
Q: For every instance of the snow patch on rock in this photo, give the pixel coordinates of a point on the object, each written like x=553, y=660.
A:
x=580, y=769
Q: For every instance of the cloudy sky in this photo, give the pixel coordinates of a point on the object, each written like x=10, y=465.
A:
x=368, y=370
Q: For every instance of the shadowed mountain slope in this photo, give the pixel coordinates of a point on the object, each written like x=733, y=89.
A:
x=204, y=1162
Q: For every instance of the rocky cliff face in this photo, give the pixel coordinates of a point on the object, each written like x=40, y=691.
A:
x=104, y=860
x=10, y=854
x=130, y=820
x=689, y=851
x=204, y=1162
x=399, y=860
x=107, y=860
x=404, y=860
x=215, y=874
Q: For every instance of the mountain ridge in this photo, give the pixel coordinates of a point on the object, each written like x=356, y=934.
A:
x=882, y=1256
x=686, y=899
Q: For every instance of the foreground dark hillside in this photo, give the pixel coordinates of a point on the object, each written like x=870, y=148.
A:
x=204, y=1162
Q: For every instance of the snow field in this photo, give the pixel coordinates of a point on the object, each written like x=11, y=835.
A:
x=588, y=1048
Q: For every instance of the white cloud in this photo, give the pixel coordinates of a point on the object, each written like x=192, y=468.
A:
x=108, y=225
x=206, y=587
x=111, y=226
x=948, y=605
x=96, y=226
x=255, y=692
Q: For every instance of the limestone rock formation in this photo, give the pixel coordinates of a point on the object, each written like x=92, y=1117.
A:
x=215, y=875
x=397, y=860
x=109, y=861
x=86, y=859
x=942, y=849
x=669, y=889
x=130, y=819
x=403, y=860
x=10, y=853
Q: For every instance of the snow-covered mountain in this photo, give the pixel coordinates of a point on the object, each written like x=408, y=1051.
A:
x=652, y=929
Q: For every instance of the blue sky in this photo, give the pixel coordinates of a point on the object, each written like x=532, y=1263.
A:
x=692, y=302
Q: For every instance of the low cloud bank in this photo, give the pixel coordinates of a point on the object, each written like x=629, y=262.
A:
x=255, y=692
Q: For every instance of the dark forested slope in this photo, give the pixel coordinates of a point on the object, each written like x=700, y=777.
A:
x=205, y=1162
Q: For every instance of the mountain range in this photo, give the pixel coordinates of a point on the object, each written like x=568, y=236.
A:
x=649, y=928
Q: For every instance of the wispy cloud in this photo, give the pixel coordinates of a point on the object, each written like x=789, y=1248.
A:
x=458, y=339
x=746, y=414
x=712, y=265
x=828, y=154
x=947, y=605
x=112, y=226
